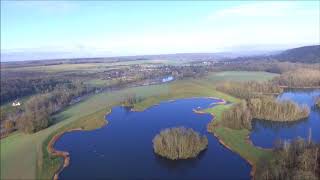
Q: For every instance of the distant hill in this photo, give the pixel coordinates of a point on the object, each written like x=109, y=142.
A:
x=305, y=54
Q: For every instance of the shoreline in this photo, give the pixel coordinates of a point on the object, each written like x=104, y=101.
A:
x=300, y=87
x=222, y=101
x=64, y=154
x=252, y=164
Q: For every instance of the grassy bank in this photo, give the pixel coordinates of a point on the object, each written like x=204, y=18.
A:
x=24, y=156
x=236, y=140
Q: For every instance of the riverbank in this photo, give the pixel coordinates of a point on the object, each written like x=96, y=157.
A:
x=62, y=154
x=53, y=161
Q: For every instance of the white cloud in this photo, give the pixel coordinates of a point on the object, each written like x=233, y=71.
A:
x=266, y=23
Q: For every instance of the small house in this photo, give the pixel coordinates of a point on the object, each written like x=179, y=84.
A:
x=16, y=103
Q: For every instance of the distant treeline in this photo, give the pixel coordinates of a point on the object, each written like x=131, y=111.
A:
x=251, y=89
x=298, y=160
x=267, y=65
x=299, y=78
x=13, y=88
x=292, y=79
x=35, y=115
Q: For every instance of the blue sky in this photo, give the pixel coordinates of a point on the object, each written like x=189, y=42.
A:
x=128, y=28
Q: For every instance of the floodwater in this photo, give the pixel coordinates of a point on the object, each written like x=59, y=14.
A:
x=266, y=133
x=123, y=148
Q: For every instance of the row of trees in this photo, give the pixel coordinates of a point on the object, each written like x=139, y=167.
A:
x=131, y=99
x=247, y=90
x=268, y=108
x=298, y=160
x=262, y=64
x=299, y=78
x=13, y=88
x=240, y=115
x=237, y=117
x=37, y=110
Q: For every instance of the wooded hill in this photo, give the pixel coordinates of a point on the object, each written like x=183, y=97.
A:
x=306, y=54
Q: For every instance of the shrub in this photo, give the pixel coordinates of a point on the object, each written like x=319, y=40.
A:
x=179, y=143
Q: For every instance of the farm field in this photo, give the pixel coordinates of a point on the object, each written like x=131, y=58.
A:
x=87, y=67
x=240, y=76
x=15, y=147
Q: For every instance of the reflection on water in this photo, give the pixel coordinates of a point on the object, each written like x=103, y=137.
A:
x=265, y=133
x=179, y=164
x=277, y=126
x=123, y=148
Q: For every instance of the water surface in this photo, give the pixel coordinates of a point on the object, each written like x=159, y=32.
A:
x=123, y=148
x=266, y=133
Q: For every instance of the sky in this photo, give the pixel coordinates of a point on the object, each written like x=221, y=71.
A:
x=156, y=27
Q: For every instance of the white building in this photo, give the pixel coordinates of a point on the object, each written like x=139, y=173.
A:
x=16, y=103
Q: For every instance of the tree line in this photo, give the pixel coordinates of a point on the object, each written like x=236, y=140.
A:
x=258, y=64
x=296, y=160
x=240, y=115
x=131, y=99
x=258, y=103
x=268, y=108
x=250, y=89
x=237, y=117
x=13, y=88
x=36, y=112
x=299, y=78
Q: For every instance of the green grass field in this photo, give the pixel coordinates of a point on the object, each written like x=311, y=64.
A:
x=24, y=156
x=240, y=76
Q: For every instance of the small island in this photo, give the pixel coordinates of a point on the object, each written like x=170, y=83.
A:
x=318, y=102
x=179, y=143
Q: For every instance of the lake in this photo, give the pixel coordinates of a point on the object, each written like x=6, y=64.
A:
x=265, y=133
x=123, y=148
